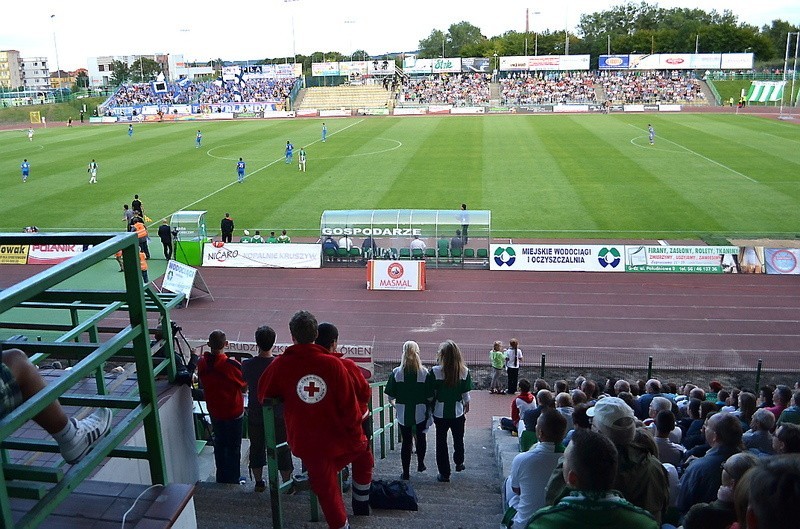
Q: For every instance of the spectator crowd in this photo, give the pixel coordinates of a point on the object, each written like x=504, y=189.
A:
x=652, y=454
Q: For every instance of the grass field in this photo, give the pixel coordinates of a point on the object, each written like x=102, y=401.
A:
x=579, y=176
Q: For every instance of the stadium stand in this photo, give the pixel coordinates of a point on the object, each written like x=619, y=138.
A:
x=457, y=90
x=651, y=87
x=548, y=88
x=336, y=97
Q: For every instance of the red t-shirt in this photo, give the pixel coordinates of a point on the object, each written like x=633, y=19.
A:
x=223, y=384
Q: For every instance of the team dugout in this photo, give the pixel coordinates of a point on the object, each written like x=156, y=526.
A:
x=439, y=236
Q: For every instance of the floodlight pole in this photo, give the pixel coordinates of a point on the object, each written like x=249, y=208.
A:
x=55, y=45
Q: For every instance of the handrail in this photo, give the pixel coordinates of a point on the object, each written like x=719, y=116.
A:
x=46, y=487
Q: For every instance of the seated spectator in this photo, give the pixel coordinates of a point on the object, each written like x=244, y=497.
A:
x=765, y=395
x=257, y=237
x=591, y=464
x=544, y=400
x=773, y=493
x=782, y=398
x=702, y=477
x=787, y=439
x=657, y=405
x=346, y=242
x=668, y=451
x=620, y=386
x=759, y=437
x=272, y=239
x=20, y=380
x=369, y=248
x=653, y=388
x=580, y=421
x=522, y=402
x=283, y=238
x=747, y=407
x=560, y=386
x=578, y=397
x=564, y=407
x=721, y=513
x=628, y=398
x=531, y=470
x=640, y=477
x=694, y=435
x=417, y=244
x=792, y=413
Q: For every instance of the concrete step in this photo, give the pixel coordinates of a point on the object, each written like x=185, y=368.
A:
x=470, y=501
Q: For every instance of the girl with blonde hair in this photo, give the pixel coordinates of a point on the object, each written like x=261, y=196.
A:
x=450, y=384
x=497, y=357
x=408, y=391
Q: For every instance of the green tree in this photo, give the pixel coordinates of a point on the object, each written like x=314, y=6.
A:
x=463, y=35
x=120, y=73
x=81, y=80
x=776, y=33
x=434, y=45
x=144, y=69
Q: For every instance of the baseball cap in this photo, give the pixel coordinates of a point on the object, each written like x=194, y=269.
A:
x=608, y=411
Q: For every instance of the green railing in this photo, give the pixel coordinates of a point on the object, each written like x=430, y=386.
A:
x=386, y=421
x=89, y=345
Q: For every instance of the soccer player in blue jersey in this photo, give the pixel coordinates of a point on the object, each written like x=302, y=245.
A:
x=198, y=139
x=651, y=133
x=130, y=130
x=324, y=132
x=240, y=170
x=289, y=152
x=26, y=169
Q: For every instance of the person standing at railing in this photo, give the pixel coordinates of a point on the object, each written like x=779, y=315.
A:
x=513, y=358
x=323, y=418
x=20, y=380
x=409, y=393
x=450, y=384
x=224, y=389
x=252, y=369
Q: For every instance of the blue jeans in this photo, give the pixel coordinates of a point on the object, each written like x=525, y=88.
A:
x=227, y=449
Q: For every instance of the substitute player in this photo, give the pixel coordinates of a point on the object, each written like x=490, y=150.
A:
x=240, y=170
x=26, y=169
x=289, y=151
x=198, y=139
x=92, y=170
x=651, y=134
x=301, y=158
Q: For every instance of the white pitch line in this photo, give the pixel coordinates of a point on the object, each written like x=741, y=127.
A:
x=703, y=157
x=223, y=188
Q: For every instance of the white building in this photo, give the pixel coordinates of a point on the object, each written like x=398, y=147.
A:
x=35, y=73
x=173, y=67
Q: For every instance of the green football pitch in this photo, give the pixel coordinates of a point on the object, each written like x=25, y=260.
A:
x=708, y=176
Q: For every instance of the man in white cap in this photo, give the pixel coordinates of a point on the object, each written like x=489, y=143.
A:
x=640, y=477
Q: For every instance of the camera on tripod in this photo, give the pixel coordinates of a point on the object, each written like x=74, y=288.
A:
x=183, y=370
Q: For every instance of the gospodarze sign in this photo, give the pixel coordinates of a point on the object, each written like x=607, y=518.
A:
x=557, y=257
x=382, y=232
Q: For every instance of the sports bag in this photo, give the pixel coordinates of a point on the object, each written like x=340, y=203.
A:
x=397, y=495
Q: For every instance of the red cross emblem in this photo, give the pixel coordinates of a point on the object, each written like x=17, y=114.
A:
x=311, y=389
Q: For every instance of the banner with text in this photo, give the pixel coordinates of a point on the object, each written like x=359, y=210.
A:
x=681, y=259
x=179, y=278
x=394, y=275
x=557, y=257
x=52, y=253
x=14, y=253
x=238, y=255
x=360, y=354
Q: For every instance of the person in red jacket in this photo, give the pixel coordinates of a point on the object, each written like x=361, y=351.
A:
x=322, y=414
x=224, y=388
x=328, y=337
x=523, y=402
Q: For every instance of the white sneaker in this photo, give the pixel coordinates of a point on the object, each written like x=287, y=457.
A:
x=89, y=431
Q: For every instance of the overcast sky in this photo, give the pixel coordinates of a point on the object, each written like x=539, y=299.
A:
x=272, y=28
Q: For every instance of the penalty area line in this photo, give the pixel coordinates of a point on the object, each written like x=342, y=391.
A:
x=706, y=158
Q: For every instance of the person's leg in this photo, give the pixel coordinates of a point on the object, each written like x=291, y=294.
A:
x=362, y=465
x=227, y=449
x=405, y=449
x=75, y=438
x=458, y=426
x=442, y=455
x=258, y=454
x=422, y=446
x=285, y=465
x=324, y=483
